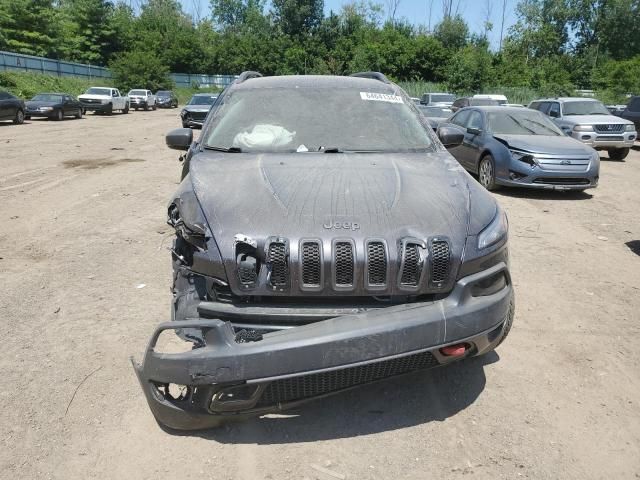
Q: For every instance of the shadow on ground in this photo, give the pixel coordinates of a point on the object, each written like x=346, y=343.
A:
x=532, y=194
x=414, y=399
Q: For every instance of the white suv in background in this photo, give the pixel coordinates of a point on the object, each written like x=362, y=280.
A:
x=588, y=120
x=142, y=99
x=104, y=100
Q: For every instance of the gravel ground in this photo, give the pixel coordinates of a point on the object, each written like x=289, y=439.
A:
x=86, y=274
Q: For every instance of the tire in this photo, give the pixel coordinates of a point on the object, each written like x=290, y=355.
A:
x=154, y=107
x=27, y=117
x=135, y=108
x=78, y=115
x=509, y=321
x=125, y=110
x=146, y=107
x=618, y=153
x=185, y=125
x=109, y=109
x=487, y=173
x=59, y=116
x=19, y=118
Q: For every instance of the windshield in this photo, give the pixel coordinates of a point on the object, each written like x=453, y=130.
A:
x=316, y=119
x=584, y=107
x=439, y=112
x=47, y=97
x=99, y=91
x=141, y=93
x=444, y=97
x=202, y=100
x=521, y=122
x=483, y=102
x=163, y=93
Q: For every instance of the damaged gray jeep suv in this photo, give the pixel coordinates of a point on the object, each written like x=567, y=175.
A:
x=324, y=239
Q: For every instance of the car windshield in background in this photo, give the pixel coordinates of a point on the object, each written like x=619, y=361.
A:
x=316, y=119
x=142, y=93
x=163, y=93
x=584, y=108
x=442, y=98
x=47, y=97
x=521, y=122
x=202, y=100
x=439, y=112
x=99, y=91
x=483, y=102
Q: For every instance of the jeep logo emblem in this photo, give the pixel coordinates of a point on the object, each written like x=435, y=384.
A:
x=334, y=225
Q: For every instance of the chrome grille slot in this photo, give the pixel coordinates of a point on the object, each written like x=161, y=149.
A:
x=609, y=128
x=440, y=262
x=343, y=264
x=311, y=264
x=278, y=262
x=376, y=264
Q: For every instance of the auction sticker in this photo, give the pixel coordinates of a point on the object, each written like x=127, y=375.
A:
x=381, y=97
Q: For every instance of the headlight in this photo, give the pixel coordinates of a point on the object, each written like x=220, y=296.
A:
x=45, y=109
x=495, y=231
x=583, y=128
x=630, y=128
x=523, y=157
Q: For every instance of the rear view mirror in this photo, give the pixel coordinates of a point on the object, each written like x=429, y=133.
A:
x=179, y=139
x=450, y=136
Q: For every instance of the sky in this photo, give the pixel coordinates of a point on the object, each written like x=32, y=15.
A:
x=417, y=12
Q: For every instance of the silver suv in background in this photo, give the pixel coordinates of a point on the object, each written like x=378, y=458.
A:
x=438, y=99
x=589, y=121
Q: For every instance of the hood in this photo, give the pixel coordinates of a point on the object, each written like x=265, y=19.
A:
x=93, y=96
x=197, y=108
x=591, y=119
x=41, y=103
x=332, y=197
x=552, y=145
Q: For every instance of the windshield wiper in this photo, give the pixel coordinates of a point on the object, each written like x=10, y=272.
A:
x=224, y=149
x=515, y=120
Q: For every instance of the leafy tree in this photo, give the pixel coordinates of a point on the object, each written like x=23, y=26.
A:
x=140, y=69
x=297, y=17
x=31, y=27
x=452, y=32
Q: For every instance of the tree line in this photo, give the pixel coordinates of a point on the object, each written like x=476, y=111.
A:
x=554, y=47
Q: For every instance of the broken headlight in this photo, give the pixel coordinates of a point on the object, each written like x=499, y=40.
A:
x=495, y=232
x=192, y=232
x=523, y=157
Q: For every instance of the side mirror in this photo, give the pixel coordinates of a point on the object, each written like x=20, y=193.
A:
x=179, y=139
x=474, y=131
x=554, y=114
x=450, y=136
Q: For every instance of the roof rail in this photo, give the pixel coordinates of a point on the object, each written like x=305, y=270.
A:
x=372, y=75
x=247, y=75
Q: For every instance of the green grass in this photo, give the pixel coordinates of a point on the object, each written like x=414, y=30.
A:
x=26, y=85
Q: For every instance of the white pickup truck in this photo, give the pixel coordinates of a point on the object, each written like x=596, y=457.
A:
x=104, y=100
x=142, y=99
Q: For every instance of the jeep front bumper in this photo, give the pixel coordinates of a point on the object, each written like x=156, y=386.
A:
x=224, y=380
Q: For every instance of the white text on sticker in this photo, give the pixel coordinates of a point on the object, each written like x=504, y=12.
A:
x=381, y=97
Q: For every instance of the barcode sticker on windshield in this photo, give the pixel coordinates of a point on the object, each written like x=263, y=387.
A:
x=381, y=97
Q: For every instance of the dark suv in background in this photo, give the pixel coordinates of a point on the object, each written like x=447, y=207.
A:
x=632, y=112
x=11, y=108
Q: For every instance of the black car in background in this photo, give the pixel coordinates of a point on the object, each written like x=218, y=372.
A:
x=11, y=108
x=473, y=102
x=166, y=99
x=195, y=112
x=631, y=112
x=54, y=106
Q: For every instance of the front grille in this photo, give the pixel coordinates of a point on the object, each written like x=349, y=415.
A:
x=198, y=115
x=343, y=264
x=278, y=263
x=610, y=138
x=562, y=181
x=311, y=265
x=376, y=264
x=440, y=261
x=313, y=385
x=412, y=265
x=609, y=128
x=90, y=101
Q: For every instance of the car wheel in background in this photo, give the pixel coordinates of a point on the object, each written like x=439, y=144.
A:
x=146, y=107
x=618, y=153
x=59, y=115
x=79, y=113
x=109, y=109
x=19, y=118
x=126, y=108
x=27, y=117
x=185, y=125
x=487, y=173
x=154, y=107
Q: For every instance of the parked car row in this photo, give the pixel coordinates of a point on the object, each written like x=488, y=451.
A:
x=102, y=100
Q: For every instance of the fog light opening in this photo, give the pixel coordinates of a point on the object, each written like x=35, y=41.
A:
x=173, y=391
x=456, y=350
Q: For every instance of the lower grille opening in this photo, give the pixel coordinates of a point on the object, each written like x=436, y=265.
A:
x=307, y=386
x=562, y=181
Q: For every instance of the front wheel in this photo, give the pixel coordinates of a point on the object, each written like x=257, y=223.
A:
x=618, y=153
x=79, y=114
x=109, y=109
x=487, y=173
x=154, y=107
x=508, y=321
x=126, y=108
x=19, y=118
x=59, y=116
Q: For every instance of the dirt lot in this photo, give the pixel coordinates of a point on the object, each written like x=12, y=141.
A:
x=85, y=277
